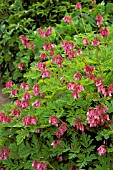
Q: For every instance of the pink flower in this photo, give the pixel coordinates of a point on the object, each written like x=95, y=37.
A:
x=78, y=5
x=99, y=19
x=9, y=84
x=29, y=120
x=78, y=76
x=26, y=96
x=4, y=118
x=43, y=56
x=46, y=33
x=14, y=92
x=93, y=2
x=71, y=86
x=60, y=158
x=48, y=46
x=53, y=120
x=58, y=60
x=98, y=81
x=61, y=130
x=67, y=45
x=24, y=41
x=79, y=51
x=95, y=42
x=89, y=69
x=42, y=66
x=16, y=112
x=45, y=74
x=104, y=32
x=36, y=104
x=31, y=45
x=101, y=150
x=24, y=105
x=97, y=116
x=102, y=89
x=24, y=86
x=67, y=19
x=78, y=124
x=85, y=41
x=110, y=90
x=36, y=90
x=20, y=65
x=51, y=53
x=39, y=165
x=4, y=153
x=55, y=143
x=17, y=103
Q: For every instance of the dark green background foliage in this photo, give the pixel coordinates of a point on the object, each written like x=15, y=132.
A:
x=18, y=17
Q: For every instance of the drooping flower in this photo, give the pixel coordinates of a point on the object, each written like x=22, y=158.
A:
x=21, y=65
x=67, y=19
x=101, y=150
x=78, y=5
x=95, y=42
x=9, y=84
x=29, y=120
x=24, y=86
x=13, y=92
x=99, y=19
x=53, y=120
x=36, y=104
x=16, y=112
x=85, y=41
x=104, y=32
x=77, y=76
x=26, y=96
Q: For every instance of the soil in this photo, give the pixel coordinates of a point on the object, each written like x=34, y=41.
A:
x=4, y=98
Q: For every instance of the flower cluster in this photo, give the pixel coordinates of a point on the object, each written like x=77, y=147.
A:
x=22, y=104
x=68, y=48
x=58, y=60
x=97, y=116
x=61, y=130
x=46, y=33
x=78, y=124
x=47, y=46
x=29, y=120
x=4, y=118
x=45, y=73
x=36, y=90
x=39, y=165
x=25, y=42
x=99, y=20
x=75, y=89
x=4, y=153
x=26, y=96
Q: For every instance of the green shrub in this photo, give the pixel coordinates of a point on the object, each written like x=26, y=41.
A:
x=61, y=117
